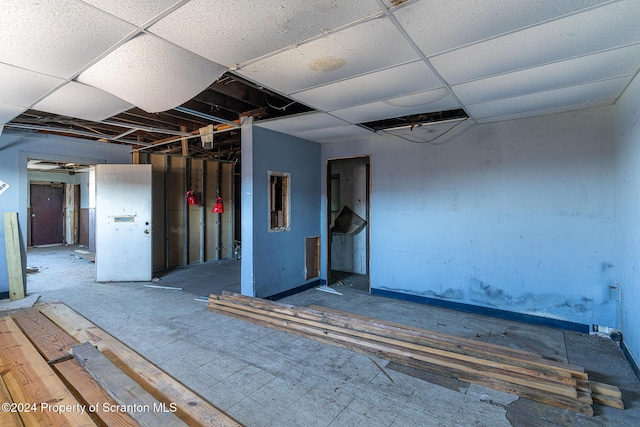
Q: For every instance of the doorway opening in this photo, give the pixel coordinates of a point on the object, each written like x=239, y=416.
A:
x=348, y=221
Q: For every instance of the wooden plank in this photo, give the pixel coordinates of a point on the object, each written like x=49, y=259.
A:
x=607, y=400
x=8, y=417
x=535, y=378
x=192, y=408
x=499, y=354
x=91, y=394
x=403, y=356
x=51, y=341
x=466, y=343
x=32, y=382
x=132, y=398
x=15, y=261
x=605, y=389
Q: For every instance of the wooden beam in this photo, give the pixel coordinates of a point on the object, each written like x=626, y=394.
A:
x=91, y=394
x=185, y=143
x=32, y=382
x=191, y=407
x=532, y=390
x=514, y=371
x=8, y=418
x=15, y=262
x=135, y=400
x=51, y=342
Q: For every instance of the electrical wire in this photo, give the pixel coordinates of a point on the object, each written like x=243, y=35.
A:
x=430, y=142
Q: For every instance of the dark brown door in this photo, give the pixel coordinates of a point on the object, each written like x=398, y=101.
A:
x=47, y=214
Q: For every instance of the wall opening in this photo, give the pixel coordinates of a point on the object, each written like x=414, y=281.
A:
x=312, y=257
x=279, y=201
x=348, y=217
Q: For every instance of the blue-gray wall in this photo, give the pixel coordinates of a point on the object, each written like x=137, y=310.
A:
x=274, y=261
x=515, y=215
x=18, y=147
x=628, y=214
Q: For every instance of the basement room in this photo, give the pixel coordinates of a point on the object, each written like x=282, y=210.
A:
x=378, y=213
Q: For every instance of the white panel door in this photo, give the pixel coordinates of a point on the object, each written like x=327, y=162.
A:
x=123, y=223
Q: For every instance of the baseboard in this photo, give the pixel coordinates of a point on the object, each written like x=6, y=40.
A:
x=632, y=361
x=296, y=290
x=486, y=311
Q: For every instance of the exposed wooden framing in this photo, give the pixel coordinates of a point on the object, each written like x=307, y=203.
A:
x=203, y=207
x=185, y=143
x=185, y=211
x=505, y=369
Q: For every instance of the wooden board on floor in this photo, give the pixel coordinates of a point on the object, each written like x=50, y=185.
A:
x=8, y=418
x=51, y=341
x=30, y=380
x=191, y=408
x=502, y=368
x=146, y=410
x=91, y=394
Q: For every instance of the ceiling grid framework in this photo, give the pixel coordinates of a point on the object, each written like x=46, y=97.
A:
x=326, y=71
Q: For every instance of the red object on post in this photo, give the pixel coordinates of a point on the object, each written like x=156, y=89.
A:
x=218, y=207
x=192, y=199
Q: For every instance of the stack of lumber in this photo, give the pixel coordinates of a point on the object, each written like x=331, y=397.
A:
x=502, y=368
x=59, y=369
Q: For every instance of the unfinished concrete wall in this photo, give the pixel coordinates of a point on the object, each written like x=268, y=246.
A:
x=274, y=261
x=17, y=147
x=627, y=134
x=515, y=215
x=189, y=234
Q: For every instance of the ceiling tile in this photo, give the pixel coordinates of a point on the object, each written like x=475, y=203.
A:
x=335, y=134
x=591, y=92
x=301, y=122
x=610, y=26
x=137, y=12
x=545, y=111
x=82, y=101
x=600, y=66
x=22, y=88
x=403, y=79
x=437, y=26
x=234, y=32
x=152, y=74
x=56, y=38
x=422, y=102
x=350, y=52
x=8, y=112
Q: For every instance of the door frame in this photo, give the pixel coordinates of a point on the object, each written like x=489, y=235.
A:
x=329, y=162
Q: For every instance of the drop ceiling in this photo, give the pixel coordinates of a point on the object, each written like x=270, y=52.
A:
x=156, y=73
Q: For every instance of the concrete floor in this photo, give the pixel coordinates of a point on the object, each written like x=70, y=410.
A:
x=264, y=377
